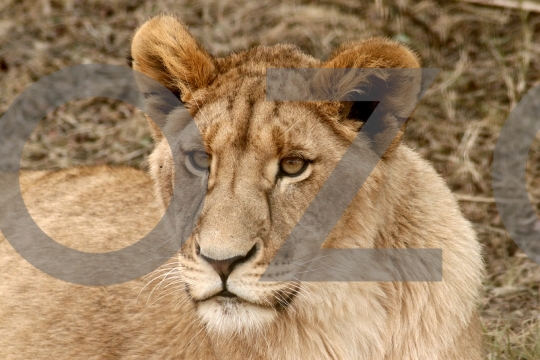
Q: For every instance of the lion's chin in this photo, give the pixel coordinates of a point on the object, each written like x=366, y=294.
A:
x=234, y=316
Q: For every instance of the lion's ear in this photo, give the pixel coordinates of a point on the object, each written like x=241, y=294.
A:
x=164, y=50
x=375, y=52
x=396, y=91
x=390, y=80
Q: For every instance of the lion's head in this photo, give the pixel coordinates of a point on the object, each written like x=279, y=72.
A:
x=264, y=162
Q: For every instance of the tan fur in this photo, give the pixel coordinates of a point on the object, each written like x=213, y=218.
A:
x=403, y=204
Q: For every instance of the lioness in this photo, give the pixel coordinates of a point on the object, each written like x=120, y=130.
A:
x=265, y=162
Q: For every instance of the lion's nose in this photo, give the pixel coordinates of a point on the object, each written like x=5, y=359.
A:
x=224, y=267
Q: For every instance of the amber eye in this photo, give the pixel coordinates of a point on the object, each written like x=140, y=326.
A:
x=292, y=166
x=200, y=160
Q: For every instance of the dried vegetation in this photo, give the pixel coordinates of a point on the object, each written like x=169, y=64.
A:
x=489, y=56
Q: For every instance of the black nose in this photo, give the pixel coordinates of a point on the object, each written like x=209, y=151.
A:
x=226, y=266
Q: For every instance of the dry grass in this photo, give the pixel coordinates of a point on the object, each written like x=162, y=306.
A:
x=490, y=57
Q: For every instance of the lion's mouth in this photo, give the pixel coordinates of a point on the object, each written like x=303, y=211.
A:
x=222, y=295
x=226, y=294
x=282, y=298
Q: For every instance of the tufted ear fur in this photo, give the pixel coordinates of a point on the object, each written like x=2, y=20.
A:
x=163, y=49
x=398, y=91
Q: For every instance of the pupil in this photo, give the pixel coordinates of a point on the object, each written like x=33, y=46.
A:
x=292, y=165
x=201, y=160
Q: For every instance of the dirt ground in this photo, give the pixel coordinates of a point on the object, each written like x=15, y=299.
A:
x=489, y=56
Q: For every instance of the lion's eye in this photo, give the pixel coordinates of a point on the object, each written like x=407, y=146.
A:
x=200, y=160
x=292, y=166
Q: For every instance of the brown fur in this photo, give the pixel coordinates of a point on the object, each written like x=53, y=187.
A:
x=403, y=204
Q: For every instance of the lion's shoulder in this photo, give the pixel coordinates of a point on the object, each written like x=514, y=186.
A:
x=99, y=208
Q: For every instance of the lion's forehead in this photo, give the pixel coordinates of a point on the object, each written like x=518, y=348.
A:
x=265, y=127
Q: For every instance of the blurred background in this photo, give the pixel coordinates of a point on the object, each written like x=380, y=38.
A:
x=489, y=55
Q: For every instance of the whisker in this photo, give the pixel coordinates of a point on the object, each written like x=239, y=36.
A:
x=197, y=333
x=153, y=279
x=161, y=297
x=161, y=282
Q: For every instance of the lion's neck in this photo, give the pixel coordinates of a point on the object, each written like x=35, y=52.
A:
x=326, y=321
